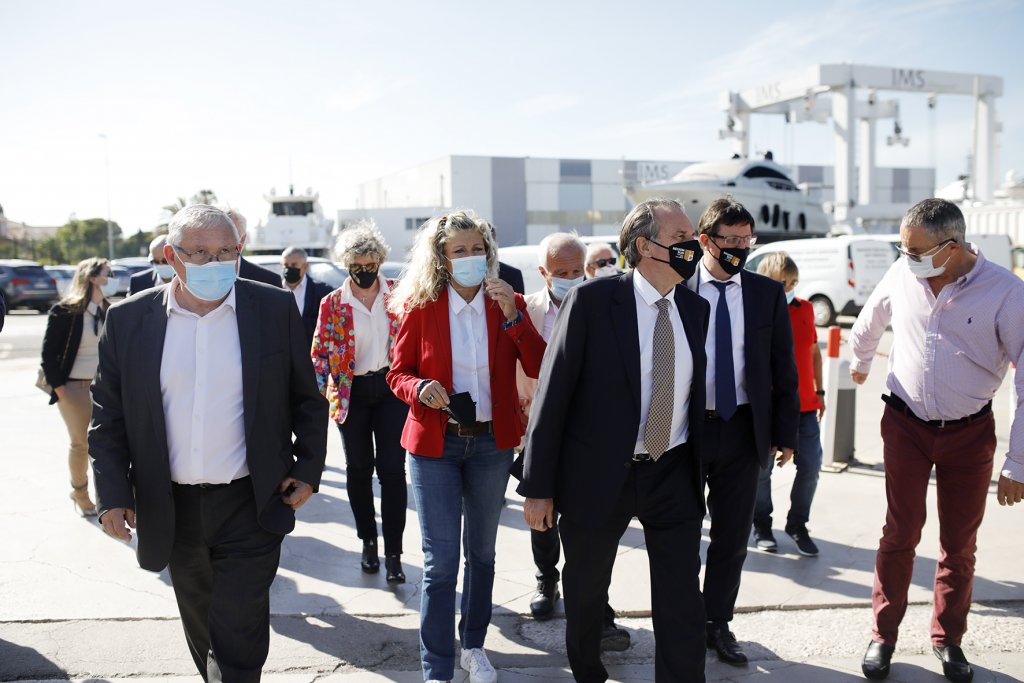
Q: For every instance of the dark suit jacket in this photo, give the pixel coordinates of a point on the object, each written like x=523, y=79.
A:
x=3, y=309
x=772, y=383
x=315, y=292
x=143, y=280
x=586, y=412
x=128, y=439
x=513, y=276
x=250, y=271
x=60, y=345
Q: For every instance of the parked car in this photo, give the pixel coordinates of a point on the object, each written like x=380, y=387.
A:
x=837, y=274
x=133, y=264
x=123, y=277
x=26, y=284
x=324, y=270
x=62, y=275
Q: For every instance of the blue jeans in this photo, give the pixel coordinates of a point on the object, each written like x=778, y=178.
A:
x=808, y=464
x=468, y=481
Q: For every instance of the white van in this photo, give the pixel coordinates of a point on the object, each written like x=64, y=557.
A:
x=526, y=258
x=837, y=274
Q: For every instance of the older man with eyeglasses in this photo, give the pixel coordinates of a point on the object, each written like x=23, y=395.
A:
x=192, y=438
x=957, y=325
x=600, y=261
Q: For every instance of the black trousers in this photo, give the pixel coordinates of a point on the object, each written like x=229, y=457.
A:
x=376, y=417
x=222, y=564
x=662, y=495
x=547, y=549
x=731, y=468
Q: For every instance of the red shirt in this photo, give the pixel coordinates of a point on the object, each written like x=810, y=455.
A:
x=805, y=338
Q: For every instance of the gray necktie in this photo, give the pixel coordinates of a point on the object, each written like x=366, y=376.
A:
x=658, y=429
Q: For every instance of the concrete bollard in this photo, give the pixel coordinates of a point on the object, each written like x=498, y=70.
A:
x=837, y=427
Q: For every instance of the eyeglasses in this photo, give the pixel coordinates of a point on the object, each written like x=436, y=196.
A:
x=916, y=258
x=201, y=256
x=736, y=240
x=602, y=262
x=357, y=269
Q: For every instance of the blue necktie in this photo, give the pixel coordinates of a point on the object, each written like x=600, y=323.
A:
x=725, y=376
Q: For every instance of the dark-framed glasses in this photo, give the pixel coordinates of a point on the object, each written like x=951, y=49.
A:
x=202, y=256
x=916, y=258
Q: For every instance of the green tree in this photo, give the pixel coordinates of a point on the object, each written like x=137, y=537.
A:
x=79, y=239
x=134, y=245
x=200, y=197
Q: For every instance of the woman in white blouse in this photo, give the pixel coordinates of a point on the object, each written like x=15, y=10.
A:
x=70, y=358
x=352, y=348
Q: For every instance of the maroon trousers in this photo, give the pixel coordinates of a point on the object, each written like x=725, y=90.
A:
x=962, y=457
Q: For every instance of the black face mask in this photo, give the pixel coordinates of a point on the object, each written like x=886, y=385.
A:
x=732, y=259
x=365, y=279
x=683, y=257
x=291, y=274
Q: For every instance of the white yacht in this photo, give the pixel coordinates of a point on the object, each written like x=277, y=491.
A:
x=293, y=220
x=781, y=208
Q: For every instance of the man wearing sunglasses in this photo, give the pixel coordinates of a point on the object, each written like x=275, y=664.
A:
x=753, y=406
x=601, y=261
x=957, y=325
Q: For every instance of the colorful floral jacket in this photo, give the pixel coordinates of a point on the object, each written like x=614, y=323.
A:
x=334, y=350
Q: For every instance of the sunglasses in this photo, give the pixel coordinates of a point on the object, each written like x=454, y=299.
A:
x=602, y=262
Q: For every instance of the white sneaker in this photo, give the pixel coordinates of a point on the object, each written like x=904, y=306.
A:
x=480, y=670
x=434, y=680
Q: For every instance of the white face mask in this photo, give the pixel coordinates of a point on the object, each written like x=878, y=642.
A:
x=925, y=267
x=607, y=271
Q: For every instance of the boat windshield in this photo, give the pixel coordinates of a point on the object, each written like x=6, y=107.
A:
x=292, y=208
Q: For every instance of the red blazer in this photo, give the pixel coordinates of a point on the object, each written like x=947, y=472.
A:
x=423, y=350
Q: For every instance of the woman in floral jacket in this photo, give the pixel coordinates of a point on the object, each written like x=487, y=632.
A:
x=351, y=353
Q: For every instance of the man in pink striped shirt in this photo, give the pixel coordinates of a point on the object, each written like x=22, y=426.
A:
x=958, y=322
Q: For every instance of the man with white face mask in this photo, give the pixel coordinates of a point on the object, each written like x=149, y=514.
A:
x=160, y=272
x=210, y=439
x=562, y=259
x=600, y=261
x=956, y=321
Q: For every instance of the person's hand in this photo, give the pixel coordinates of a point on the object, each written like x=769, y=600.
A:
x=782, y=455
x=60, y=392
x=300, y=492
x=1009, y=491
x=821, y=407
x=117, y=522
x=858, y=377
x=433, y=395
x=539, y=513
x=501, y=292
x=524, y=410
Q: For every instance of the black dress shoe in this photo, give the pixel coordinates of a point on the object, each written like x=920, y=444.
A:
x=393, y=569
x=543, y=604
x=955, y=666
x=370, y=562
x=722, y=641
x=614, y=638
x=876, y=660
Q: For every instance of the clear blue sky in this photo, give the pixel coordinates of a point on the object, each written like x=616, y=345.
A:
x=221, y=95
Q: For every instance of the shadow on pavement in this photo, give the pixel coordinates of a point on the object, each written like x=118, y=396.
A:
x=20, y=662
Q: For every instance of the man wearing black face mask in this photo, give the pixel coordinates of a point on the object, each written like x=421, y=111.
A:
x=753, y=407
x=308, y=292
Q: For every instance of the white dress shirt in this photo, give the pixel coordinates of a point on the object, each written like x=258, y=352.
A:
x=371, y=326
x=550, y=313
x=471, y=370
x=201, y=387
x=701, y=283
x=647, y=298
x=87, y=360
x=299, y=292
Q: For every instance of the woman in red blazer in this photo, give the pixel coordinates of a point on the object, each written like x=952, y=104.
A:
x=462, y=331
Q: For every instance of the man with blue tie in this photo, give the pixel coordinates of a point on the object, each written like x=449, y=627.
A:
x=752, y=402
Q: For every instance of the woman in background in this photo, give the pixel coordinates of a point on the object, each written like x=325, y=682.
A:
x=70, y=358
x=462, y=332
x=352, y=347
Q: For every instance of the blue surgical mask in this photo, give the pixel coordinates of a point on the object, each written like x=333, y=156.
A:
x=109, y=289
x=469, y=271
x=212, y=281
x=561, y=286
x=164, y=271
x=790, y=295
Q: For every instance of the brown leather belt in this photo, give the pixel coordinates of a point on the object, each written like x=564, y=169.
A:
x=476, y=429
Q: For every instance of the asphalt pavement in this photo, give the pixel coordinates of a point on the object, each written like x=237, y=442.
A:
x=75, y=604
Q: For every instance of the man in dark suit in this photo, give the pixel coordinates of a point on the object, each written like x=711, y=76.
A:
x=247, y=269
x=308, y=292
x=159, y=272
x=631, y=347
x=192, y=440
x=753, y=408
x=513, y=276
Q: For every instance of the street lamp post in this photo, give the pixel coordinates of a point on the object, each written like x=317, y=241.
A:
x=110, y=227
